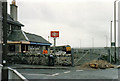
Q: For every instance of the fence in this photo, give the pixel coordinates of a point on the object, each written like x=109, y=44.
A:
x=84, y=55
x=78, y=56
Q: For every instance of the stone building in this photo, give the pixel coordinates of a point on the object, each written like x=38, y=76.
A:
x=19, y=41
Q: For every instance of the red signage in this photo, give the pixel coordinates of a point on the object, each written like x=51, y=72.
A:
x=54, y=33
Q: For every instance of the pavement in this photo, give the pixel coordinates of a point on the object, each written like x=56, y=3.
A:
x=24, y=66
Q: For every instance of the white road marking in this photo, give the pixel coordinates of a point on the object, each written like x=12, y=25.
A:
x=42, y=74
x=33, y=74
x=79, y=70
x=67, y=72
x=54, y=74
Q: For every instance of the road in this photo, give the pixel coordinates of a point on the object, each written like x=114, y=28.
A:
x=69, y=74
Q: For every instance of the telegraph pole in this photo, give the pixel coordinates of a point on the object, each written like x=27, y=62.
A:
x=4, y=54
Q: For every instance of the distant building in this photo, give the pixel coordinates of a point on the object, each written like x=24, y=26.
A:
x=20, y=41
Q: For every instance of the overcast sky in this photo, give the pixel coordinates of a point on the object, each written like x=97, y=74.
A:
x=81, y=23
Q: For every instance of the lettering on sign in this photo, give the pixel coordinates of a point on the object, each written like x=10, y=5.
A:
x=54, y=33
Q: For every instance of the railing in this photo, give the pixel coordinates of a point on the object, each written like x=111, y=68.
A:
x=15, y=75
x=0, y=71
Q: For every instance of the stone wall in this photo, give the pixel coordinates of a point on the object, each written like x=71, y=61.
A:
x=39, y=59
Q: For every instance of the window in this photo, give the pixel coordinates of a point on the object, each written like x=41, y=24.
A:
x=12, y=48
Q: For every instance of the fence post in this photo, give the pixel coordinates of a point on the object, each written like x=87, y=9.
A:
x=72, y=57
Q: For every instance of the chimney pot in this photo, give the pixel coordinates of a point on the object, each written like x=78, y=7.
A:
x=13, y=10
x=14, y=2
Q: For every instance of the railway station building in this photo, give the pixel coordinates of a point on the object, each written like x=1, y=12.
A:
x=19, y=41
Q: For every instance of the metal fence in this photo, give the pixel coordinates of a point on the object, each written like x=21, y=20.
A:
x=83, y=55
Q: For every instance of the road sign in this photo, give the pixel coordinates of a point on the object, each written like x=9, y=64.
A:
x=54, y=33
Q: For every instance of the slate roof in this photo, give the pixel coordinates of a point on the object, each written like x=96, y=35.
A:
x=19, y=35
x=11, y=21
x=36, y=38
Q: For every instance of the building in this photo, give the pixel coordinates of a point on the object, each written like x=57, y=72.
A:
x=19, y=41
x=27, y=48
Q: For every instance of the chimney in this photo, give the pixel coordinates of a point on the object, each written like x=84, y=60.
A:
x=13, y=10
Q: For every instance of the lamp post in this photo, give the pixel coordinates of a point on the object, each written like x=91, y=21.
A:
x=115, y=30
x=111, y=33
x=106, y=40
x=93, y=43
x=80, y=44
x=111, y=40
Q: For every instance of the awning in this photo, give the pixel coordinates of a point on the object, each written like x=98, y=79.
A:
x=48, y=44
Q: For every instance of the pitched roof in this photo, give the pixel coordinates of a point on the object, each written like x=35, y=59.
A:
x=11, y=21
x=36, y=38
x=17, y=35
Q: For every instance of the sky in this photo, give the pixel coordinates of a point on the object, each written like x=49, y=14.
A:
x=81, y=23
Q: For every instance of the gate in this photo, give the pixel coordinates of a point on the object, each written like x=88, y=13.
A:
x=85, y=55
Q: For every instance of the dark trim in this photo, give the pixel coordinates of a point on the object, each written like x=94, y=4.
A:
x=46, y=44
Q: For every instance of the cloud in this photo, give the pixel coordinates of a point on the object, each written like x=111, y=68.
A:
x=76, y=20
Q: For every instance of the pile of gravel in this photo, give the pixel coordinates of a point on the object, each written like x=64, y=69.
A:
x=101, y=64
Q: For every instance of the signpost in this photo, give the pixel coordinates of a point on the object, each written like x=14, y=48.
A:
x=54, y=34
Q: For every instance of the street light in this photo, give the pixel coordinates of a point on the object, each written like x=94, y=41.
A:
x=106, y=40
x=115, y=28
x=80, y=44
x=110, y=40
x=93, y=42
x=111, y=33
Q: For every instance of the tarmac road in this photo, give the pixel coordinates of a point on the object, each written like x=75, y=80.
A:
x=69, y=74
